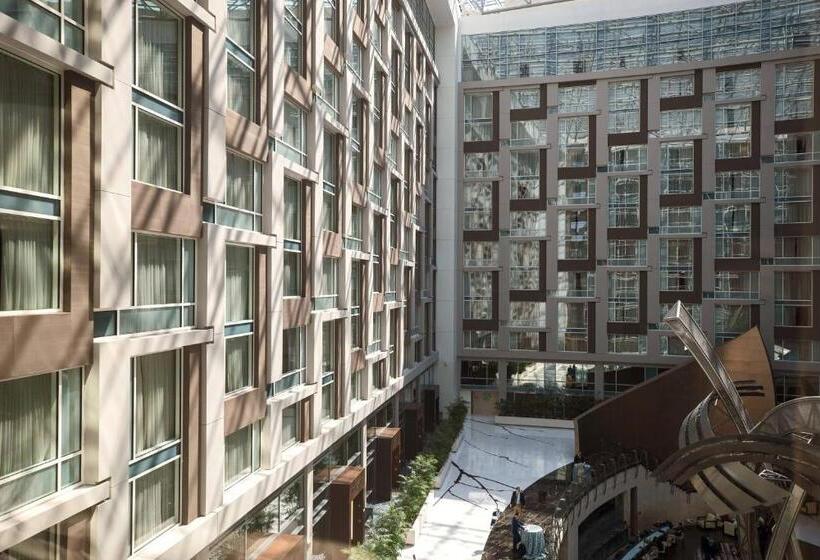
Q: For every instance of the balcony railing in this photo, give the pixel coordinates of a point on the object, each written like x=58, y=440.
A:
x=796, y=157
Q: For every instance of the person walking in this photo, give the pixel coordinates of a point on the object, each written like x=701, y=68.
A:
x=517, y=500
x=516, y=527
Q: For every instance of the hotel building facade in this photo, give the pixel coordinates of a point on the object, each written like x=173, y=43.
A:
x=614, y=158
x=218, y=269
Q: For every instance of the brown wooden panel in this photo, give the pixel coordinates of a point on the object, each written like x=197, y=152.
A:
x=244, y=409
x=246, y=137
x=68, y=332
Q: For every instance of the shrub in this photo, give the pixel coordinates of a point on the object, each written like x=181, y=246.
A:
x=385, y=534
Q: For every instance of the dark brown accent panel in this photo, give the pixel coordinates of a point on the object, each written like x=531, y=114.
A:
x=360, y=30
x=539, y=112
x=749, y=163
x=244, y=409
x=193, y=379
x=333, y=55
x=542, y=341
x=295, y=312
x=331, y=243
x=752, y=263
x=591, y=324
x=246, y=137
x=688, y=101
x=642, y=136
x=357, y=360
x=69, y=331
x=694, y=198
x=74, y=537
x=804, y=125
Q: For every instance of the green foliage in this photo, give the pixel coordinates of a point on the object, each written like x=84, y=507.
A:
x=385, y=534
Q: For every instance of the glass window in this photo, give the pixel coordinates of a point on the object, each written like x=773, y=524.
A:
x=290, y=426
x=64, y=23
x=527, y=98
x=528, y=314
x=627, y=158
x=40, y=435
x=158, y=103
x=331, y=17
x=677, y=86
x=681, y=122
x=737, y=184
x=625, y=106
x=529, y=223
x=573, y=234
x=526, y=341
x=576, y=99
x=330, y=172
x=677, y=167
x=626, y=252
x=794, y=91
x=480, y=253
x=478, y=206
x=29, y=263
x=478, y=295
x=156, y=402
x=528, y=133
x=294, y=362
x=239, y=288
x=624, y=202
x=737, y=285
x=680, y=219
x=328, y=290
x=731, y=320
x=525, y=169
x=29, y=98
x=733, y=230
x=294, y=214
x=575, y=284
x=155, y=503
x=243, y=195
x=356, y=131
x=793, y=195
x=624, y=297
x=241, y=454
x=294, y=35
x=677, y=265
x=330, y=95
x=733, y=131
x=626, y=343
x=294, y=139
x=241, y=48
x=524, y=265
x=478, y=165
x=355, y=62
x=163, y=284
x=793, y=305
x=478, y=117
x=573, y=142
x=738, y=84
x=572, y=327
x=480, y=340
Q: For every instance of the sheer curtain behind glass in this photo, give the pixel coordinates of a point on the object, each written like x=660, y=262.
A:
x=28, y=422
x=238, y=455
x=158, y=270
x=240, y=23
x=158, y=48
x=158, y=152
x=155, y=503
x=28, y=263
x=28, y=128
x=155, y=388
x=239, y=192
x=237, y=284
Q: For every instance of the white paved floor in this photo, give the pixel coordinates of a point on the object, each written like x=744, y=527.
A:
x=459, y=522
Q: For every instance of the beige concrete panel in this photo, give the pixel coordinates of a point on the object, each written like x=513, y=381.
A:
x=217, y=163
x=113, y=252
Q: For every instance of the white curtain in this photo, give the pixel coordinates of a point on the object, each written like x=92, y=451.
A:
x=28, y=422
x=158, y=270
x=158, y=47
x=293, y=208
x=158, y=152
x=27, y=127
x=238, y=284
x=239, y=193
x=238, y=454
x=240, y=88
x=27, y=263
x=155, y=398
x=154, y=508
x=240, y=23
x=237, y=362
x=71, y=411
